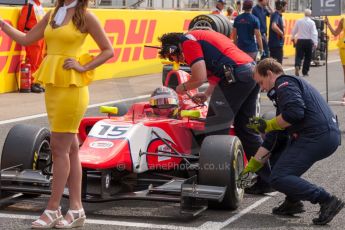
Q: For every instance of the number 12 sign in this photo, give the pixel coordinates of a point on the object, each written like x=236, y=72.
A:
x=326, y=7
x=13, y=2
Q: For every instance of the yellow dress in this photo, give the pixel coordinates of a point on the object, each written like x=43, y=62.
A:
x=341, y=44
x=67, y=94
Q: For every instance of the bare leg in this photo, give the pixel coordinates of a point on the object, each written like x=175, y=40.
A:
x=60, y=145
x=344, y=82
x=75, y=176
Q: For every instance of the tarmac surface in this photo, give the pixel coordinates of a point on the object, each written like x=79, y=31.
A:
x=254, y=212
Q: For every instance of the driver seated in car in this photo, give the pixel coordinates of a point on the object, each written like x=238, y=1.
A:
x=164, y=102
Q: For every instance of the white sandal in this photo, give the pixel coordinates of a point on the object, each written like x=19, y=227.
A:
x=78, y=219
x=53, y=216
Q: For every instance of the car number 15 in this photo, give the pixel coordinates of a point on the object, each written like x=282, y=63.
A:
x=109, y=131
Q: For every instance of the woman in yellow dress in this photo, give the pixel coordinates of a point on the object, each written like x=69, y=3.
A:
x=341, y=42
x=65, y=74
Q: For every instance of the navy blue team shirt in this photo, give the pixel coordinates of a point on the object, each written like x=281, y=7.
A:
x=245, y=25
x=261, y=13
x=275, y=40
x=301, y=105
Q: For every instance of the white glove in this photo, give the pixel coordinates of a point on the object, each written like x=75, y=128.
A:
x=258, y=56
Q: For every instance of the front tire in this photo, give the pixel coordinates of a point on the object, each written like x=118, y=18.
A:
x=27, y=146
x=221, y=160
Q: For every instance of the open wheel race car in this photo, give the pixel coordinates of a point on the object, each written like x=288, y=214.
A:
x=134, y=155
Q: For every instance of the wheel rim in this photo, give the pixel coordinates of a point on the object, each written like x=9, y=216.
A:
x=44, y=155
x=238, y=168
x=202, y=24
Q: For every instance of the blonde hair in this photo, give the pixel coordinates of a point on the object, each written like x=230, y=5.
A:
x=269, y=64
x=78, y=18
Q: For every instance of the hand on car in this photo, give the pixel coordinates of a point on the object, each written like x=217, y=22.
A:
x=71, y=63
x=180, y=89
x=245, y=179
x=199, y=98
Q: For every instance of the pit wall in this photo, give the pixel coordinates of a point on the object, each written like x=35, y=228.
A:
x=128, y=31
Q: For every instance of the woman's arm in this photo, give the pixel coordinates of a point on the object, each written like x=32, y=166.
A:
x=35, y=34
x=98, y=34
x=339, y=28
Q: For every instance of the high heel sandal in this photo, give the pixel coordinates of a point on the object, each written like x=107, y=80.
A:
x=53, y=216
x=78, y=219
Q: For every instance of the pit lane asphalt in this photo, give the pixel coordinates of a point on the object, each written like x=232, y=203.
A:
x=255, y=211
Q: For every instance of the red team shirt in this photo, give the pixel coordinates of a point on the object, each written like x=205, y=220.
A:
x=215, y=49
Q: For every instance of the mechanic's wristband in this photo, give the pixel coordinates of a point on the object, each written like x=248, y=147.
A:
x=184, y=87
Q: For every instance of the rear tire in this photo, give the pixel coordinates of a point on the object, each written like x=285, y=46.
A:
x=221, y=160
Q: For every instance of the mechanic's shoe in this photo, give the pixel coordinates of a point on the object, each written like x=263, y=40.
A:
x=297, y=71
x=288, y=208
x=257, y=189
x=53, y=216
x=328, y=210
x=36, y=88
x=76, y=219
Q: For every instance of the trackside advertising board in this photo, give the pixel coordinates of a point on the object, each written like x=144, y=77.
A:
x=128, y=32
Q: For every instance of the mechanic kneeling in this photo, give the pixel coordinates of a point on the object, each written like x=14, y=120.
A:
x=314, y=135
x=213, y=57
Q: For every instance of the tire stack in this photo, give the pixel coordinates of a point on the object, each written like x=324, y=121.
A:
x=216, y=22
x=319, y=55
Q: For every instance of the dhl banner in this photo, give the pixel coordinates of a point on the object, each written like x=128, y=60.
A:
x=128, y=31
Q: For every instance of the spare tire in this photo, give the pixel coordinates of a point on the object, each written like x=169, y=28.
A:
x=218, y=23
x=226, y=23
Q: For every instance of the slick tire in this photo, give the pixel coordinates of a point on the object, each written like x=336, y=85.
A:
x=221, y=160
x=218, y=23
x=27, y=146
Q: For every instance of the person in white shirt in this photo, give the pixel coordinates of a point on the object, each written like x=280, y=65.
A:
x=219, y=7
x=304, y=35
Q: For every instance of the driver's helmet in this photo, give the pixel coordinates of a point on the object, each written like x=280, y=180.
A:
x=164, y=101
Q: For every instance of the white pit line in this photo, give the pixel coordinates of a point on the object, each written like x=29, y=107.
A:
x=206, y=225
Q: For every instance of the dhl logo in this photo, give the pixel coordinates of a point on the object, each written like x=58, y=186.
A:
x=128, y=42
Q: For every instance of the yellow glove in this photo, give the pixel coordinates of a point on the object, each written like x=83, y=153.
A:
x=261, y=125
x=246, y=179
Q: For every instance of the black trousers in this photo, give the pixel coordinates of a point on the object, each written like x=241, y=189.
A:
x=234, y=104
x=304, y=49
x=266, y=53
x=277, y=53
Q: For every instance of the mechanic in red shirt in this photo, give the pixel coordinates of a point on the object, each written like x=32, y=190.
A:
x=213, y=57
x=30, y=15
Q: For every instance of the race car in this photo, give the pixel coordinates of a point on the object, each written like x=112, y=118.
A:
x=135, y=155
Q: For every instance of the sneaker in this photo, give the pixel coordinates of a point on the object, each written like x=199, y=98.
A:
x=257, y=189
x=328, y=210
x=36, y=88
x=297, y=71
x=289, y=208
